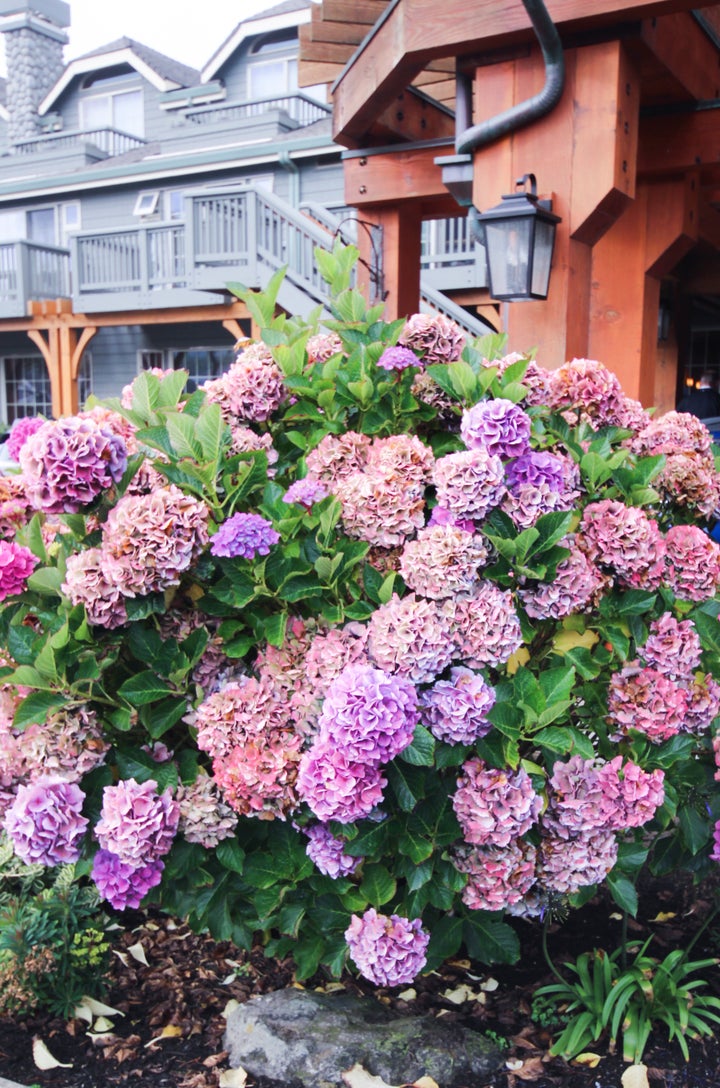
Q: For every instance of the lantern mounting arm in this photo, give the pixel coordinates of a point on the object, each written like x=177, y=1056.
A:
x=524, y=113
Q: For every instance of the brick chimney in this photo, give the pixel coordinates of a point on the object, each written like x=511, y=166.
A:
x=34, y=36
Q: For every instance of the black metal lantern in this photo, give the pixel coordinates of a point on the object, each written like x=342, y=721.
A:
x=519, y=235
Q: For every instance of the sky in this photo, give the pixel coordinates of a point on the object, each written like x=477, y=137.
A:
x=187, y=30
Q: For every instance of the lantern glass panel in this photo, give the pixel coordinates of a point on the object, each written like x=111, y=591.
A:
x=544, y=239
x=508, y=243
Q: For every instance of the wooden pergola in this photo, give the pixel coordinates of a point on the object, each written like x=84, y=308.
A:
x=629, y=155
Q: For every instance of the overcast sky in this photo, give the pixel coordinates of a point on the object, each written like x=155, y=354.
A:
x=187, y=30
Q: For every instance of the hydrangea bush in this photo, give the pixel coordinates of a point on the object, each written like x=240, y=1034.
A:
x=371, y=646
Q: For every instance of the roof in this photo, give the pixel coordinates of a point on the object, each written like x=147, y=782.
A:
x=290, y=13
x=163, y=72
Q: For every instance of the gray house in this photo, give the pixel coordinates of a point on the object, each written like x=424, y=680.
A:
x=134, y=188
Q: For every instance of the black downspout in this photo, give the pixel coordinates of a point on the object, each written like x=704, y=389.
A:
x=524, y=113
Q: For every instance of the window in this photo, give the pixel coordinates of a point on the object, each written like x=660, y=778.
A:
x=120, y=110
x=173, y=204
x=41, y=226
x=48, y=226
x=270, y=78
x=85, y=378
x=12, y=226
x=202, y=364
x=146, y=203
x=26, y=387
x=69, y=220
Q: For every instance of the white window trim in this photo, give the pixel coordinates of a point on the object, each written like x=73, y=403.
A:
x=88, y=97
x=149, y=197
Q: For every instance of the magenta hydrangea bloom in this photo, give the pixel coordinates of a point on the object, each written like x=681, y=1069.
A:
x=244, y=536
x=327, y=852
x=716, y=842
x=469, y=484
x=369, y=714
x=494, y=805
x=122, y=883
x=693, y=563
x=136, y=822
x=306, y=492
x=498, y=426
x=69, y=462
x=536, y=467
x=498, y=877
x=397, y=358
x=673, y=647
x=45, y=822
x=456, y=710
x=647, y=701
x=21, y=430
x=389, y=951
x=16, y=565
x=336, y=787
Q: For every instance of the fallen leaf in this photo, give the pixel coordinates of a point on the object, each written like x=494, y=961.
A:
x=103, y=1024
x=489, y=985
x=233, y=1078
x=514, y=1063
x=424, y=1082
x=532, y=1069
x=664, y=916
x=43, y=1058
x=460, y=995
x=121, y=956
x=232, y=1004
x=170, y=1031
x=588, y=1058
x=358, y=1077
x=138, y=953
x=635, y=1076
x=408, y=995
x=89, y=1008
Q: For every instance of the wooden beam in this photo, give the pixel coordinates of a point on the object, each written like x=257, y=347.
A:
x=671, y=143
x=411, y=34
x=414, y=118
x=685, y=52
x=395, y=177
x=50, y=351
x=400, y=226
x=84, y=339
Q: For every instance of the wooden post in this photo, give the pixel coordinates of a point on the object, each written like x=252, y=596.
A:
x=400, y=257
x=50, y=351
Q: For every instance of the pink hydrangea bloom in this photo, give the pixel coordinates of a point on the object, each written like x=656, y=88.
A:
x=66, y=464
x=245, y=440
x=322, y=346
x=389, y=951
x=673, y=647
x=252, y=389
x=567, y=864
x=647, y=701
x=485, y=627
x=113, y=421
x=327, y=852
x=15, y=509
x=85, y=583
x=242, y=709
x=716, y=755
x=369, y=714
x=204, y=816
x=585, y=390
x=493, y=805
x=427, y=391
x=137, y=823
x=456, y=710
x=435, y=337
x=703, y=704
x=21, y=430
x=469, y=484
x=122, y=883
x=498, y=876
x=716, y=842
x=338, y=456
x=305, y=492
x=68, y=744
x=336, y=787
x=672, y=433
x=576, y=587
x=528, y=502
x=149, y=541
x=498, y=426
x=692, y=563
x=576, y=798
x=624, y=540
x=16, y=565
x=412, y=637
x=45, y=822
x=690, y=480
x=630, y=795
x=325, y=657
x=443, y=561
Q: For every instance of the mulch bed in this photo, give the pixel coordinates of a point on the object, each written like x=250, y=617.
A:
x=171, y=1035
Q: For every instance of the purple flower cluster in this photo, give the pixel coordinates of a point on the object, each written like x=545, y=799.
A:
x=369, y=714
x=456, y=710
x=493, y=805
x=124, y=884
x=469, y=484
x=16, y=565
x=305, y=492
x=498, y=426
x=327, y=852
x=497, y=877
x=21, y=430
x=336, y=787
x=68, y=463
x=137, y=823
x=244, y=536
x=397, y=358
x=45, y=822
x=389, y=951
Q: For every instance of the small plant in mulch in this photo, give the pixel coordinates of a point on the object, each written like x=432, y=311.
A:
x=366, y=647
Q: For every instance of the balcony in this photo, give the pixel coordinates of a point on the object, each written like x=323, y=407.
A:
x=298, y=109
x=31, y=271
x=91, y=144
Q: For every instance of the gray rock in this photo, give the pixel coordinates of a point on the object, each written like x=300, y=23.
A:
x=299, y=1037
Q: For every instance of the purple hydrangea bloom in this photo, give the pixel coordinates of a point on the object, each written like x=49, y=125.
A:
x=306, y=492
x=456, y=710
x=397, y=358
x=336, y=787
x=716, y=842
x=389, y=951
x=122, y=883
x=45, y=821
x=441, y=516
x=67, y=463
x=536, y=467
x=136, y=822
x=16, y=565
x=369, y=714
x=21, y=430
x=328, y=852
x=244, y=535
x=499, y=426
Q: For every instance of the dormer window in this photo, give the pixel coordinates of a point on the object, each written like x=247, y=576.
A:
x=108, y=102
x=270, y=73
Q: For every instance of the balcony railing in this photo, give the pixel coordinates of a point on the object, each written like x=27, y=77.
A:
x=450, y=258
x=300, y=107
x=111, y=141
x=29, y=270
